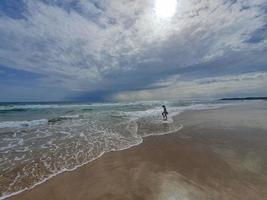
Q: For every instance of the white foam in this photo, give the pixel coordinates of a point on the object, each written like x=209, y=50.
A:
x=113, y=141
x=155, y=113
x=143, y=103
x=22, y=124
x=165, y=133
x=41, y=106
x=81, y=105
x=7, y=195
x=70, y=116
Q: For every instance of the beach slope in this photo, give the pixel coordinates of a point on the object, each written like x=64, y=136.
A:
x=219, y=154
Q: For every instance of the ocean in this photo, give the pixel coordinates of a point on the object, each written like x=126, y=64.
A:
x=40, y=140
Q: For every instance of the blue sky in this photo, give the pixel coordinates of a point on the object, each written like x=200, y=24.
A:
x=128, y=50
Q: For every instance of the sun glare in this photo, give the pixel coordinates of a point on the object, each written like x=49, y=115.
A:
x=165, y=8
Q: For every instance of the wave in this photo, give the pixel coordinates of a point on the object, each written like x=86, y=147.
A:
x=40, y=106
x=150, y=113
x=173, y=110
x=38, y=122
x=81, y=138
x=62, y=118
x=89, y=106
x=87, y=109
x=6, y=110
x=23, y=124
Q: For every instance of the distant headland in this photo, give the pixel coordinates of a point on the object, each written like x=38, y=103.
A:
x=245, y=98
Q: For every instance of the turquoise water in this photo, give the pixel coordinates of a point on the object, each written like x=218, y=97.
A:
x=40, y=140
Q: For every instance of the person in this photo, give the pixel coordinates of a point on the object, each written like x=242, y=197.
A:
x=164, y=113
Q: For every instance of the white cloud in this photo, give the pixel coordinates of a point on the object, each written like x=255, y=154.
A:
x=77, y=50
x=201, y=88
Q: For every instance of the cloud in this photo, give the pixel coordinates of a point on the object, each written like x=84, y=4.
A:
x=202, y=88
x=85, y=46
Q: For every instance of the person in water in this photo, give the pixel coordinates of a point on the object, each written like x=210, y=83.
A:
x=164, y=113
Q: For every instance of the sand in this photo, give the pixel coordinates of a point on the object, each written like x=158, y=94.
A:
x=219, y=154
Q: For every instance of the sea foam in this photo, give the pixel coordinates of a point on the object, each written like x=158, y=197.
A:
x=78, y=137
x=22, y=124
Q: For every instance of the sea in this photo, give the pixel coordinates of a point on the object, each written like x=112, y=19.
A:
x=41, y=140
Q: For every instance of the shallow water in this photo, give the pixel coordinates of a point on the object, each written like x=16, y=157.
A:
x=41, y=140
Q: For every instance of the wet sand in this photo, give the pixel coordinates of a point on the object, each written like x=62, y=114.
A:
x=219, y=154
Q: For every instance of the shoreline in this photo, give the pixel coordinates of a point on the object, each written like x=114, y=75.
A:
x=88, y=162
x=148, y=142
x=79, y=166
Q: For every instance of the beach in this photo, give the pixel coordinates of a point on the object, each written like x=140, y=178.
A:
x=218, y=154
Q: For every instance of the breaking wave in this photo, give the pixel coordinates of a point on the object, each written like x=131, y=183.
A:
x=32, y=151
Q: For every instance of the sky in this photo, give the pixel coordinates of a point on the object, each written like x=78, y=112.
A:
x=132, y=50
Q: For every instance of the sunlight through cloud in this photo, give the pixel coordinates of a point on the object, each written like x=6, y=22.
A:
x=165, y=8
